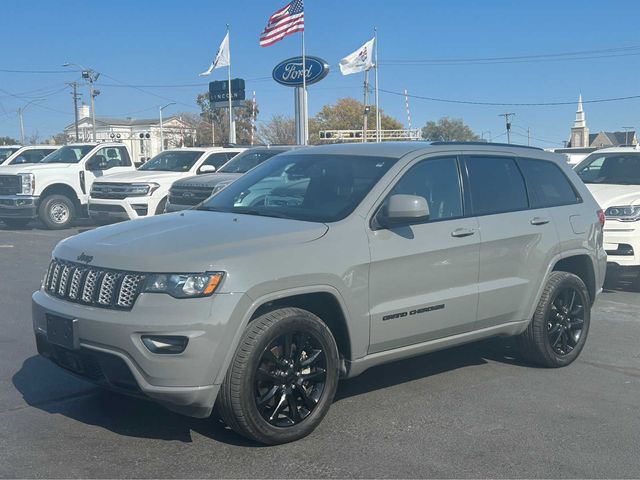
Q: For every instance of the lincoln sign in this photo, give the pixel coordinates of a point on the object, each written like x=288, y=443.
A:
x=289, y=72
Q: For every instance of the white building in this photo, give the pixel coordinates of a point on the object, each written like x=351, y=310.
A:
x=142, y=136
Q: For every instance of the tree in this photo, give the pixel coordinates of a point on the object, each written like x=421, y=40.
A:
x=8, y=141
x=220, y=117
x=347, y=114
x=279, y=130
x=448, y=130
x=58, y=139
x=33, y=139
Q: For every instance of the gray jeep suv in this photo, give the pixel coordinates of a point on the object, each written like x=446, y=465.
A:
x=356, y=255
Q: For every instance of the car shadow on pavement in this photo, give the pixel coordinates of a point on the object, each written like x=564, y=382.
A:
x=48, y=388
x=616, y=281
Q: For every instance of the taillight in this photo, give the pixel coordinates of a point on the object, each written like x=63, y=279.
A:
x=601, y=217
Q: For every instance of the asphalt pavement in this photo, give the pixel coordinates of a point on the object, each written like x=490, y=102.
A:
x=473, y=411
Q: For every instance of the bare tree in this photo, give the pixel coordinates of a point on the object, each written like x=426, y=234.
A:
x=33, y=139
x=279, y=130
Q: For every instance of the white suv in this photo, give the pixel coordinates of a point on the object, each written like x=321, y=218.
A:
x=56, y=189
x=613, y=177
x=144, y=192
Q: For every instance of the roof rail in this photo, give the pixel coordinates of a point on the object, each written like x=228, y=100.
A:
x=492, y=144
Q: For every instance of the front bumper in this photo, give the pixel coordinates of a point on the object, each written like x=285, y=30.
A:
x=127, y=209
x=175, y=207
x=111, y=352
x=622, y=243
x=18, y=206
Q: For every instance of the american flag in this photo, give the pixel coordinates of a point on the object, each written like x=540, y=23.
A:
x=287, y=20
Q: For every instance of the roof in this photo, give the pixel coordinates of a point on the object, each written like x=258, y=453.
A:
x=129, y=122
x=399, y=149
x=11, y=146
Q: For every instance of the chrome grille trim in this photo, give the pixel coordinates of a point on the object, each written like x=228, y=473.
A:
x=99, y=287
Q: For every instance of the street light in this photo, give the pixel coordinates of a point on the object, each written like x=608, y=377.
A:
x=161, y=130
x=90, y=76
x=20, y=112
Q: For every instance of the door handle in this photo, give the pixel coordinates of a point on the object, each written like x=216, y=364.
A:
x=540, y=221
x=463, y=232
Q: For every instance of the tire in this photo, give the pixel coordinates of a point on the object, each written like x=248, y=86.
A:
x=254, y=376
x=57, y=212
x=556, y=336
x=15, y=222
x=161, y=206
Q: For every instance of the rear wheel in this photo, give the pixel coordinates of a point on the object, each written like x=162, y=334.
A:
x=57, y=212
x=558, y=331
x=15, y=222
x=282, y=379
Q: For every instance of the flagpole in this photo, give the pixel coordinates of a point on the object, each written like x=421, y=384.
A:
x=305, y=116
x=365, y=120
x=232, y=136
x=375, y=33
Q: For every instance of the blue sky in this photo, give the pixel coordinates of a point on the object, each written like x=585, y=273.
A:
x=164, y=42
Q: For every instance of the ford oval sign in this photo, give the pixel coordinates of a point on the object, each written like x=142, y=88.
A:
x=289, y=72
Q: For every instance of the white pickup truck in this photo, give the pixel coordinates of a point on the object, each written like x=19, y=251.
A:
x=56, y=190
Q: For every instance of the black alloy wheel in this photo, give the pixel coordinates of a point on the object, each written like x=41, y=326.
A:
x=566, y=321
x=290, y=379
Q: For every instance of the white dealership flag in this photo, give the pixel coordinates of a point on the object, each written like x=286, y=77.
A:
x=359, y=61
x=223, y=57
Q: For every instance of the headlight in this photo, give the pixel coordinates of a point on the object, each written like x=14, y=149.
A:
x=221, y=186
x=625, y=213
x=187, y=285
x=28, y=183
x=142, y=188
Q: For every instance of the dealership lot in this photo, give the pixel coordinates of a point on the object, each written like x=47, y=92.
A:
x=473, y=411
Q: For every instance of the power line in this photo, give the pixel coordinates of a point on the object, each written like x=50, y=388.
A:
x=512, y=104
x=33, y=71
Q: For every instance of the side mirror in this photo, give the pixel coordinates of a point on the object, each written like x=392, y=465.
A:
x=403, y=210
x=19, y=160
x=207, y=169
x=96, y=164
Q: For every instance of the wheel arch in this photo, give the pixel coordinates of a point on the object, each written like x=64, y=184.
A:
x=582, y=266
x=61, y=189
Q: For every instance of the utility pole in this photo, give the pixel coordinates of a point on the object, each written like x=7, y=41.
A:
x=20, y=112
x=507, y=121
x=528, y=136
x=90, y=76
x=626, y=134
x=76, y=97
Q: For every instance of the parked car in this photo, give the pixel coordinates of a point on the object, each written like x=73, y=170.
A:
x=56, y=190
x=190, y=191
x=144, y=192
x=22, y=155
x=363, y=254
x=613, y=177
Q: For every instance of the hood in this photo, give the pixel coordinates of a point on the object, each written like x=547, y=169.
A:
x=32, y=167
x=207, y=180
x=189, y=241
x=608, y=195
x=135, y=176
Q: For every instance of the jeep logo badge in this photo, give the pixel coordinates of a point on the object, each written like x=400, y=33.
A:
x=83, y=257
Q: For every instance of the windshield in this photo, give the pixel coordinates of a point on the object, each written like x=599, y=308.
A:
x=173, y=161
x=611, y=168
x=245, y=161
x=316, y=188
x=68, y=154
x=6, y=153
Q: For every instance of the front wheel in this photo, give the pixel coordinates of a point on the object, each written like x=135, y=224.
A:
x=282, y=379
x=558, y=331
x=57, y=212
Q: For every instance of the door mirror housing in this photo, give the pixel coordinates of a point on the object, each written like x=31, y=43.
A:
x=403, y=210
x=207, y=169
x=96, y=163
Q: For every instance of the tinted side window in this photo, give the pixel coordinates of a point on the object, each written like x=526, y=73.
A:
x=496, y=185
x=546, y=184
x=438, y=182
x=124, y=154
x=217, y=159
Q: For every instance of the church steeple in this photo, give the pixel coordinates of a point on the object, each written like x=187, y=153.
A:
x=580, y=132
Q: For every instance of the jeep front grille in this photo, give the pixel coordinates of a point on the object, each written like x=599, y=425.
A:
x=93, y=286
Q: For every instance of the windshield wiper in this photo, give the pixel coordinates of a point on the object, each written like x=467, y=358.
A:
x=260, y=213
x=212, y=209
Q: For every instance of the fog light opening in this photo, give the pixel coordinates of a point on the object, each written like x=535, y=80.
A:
x=165, y=344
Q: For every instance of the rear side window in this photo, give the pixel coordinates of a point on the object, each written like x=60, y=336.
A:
x=496, y=185
x=547, y=184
